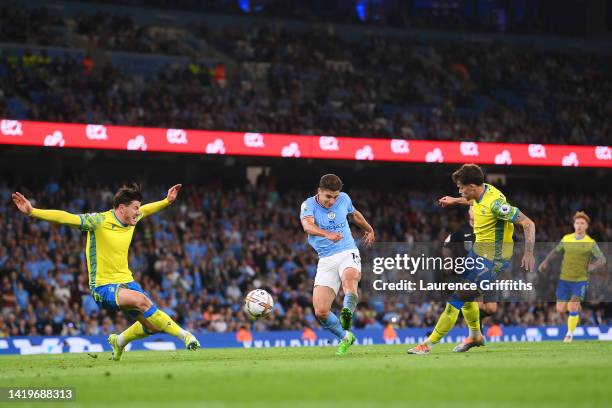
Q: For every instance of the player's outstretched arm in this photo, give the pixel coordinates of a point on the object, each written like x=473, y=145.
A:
x=528, y=261
x=311, y=228
x=60, y=217
x=447, y=201
x=152, y=208
x=360, y=221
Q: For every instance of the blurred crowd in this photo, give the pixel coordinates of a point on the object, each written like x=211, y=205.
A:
x=319, y=83
x=33, y=26
x=280, y=80
x=198, y=258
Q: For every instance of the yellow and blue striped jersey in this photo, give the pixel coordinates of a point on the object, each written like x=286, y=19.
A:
x=108, y=240
x=577, y=253
x=493, y=226
x=108, y=243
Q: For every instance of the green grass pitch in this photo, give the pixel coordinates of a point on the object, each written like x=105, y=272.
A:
x=548, y=374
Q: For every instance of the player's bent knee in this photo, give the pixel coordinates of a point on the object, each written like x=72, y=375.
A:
x=573, y=306
x=350, y=279
x=350, y=286
x=144, y=304
x=561, y=308
x=351, y=275
x=321, y=313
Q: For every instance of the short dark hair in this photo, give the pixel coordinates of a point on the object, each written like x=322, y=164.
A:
x=330, y=182
x=469, y=174
x=126, y=194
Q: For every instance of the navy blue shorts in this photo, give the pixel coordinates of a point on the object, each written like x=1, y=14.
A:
x=106, y=295
x=483, y=269
x=567, y=290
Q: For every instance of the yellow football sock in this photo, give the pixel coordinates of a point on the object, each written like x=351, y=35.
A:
x=572, y=322
x=164, y=323
x=471, y=315
x=446, y=322
x=134, y=332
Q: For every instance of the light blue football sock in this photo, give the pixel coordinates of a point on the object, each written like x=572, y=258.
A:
x=350, y=301
x=333, y=325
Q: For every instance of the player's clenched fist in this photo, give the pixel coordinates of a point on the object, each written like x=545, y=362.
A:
x=446, y=201
x=369, y=238
x=334, y=236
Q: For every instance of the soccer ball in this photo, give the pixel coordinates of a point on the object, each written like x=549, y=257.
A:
x=258, y=303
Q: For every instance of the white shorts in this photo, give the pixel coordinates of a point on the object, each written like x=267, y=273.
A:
x=331, y=268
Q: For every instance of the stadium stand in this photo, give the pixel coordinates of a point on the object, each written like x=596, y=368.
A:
x=281, y=78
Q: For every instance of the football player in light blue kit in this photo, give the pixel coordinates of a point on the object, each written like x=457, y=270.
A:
x=325, y=218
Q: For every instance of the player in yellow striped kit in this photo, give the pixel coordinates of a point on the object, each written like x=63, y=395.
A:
x=581, y=255
x=494, y=220
x=111, y=283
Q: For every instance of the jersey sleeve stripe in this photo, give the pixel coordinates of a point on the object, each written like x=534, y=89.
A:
x=499, y=238
x=93, y=262
x=515, y=215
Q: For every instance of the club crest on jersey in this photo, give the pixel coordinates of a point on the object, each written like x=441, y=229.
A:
x=331, y=215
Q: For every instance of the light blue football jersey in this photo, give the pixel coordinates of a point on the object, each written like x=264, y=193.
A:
x=331, y=219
